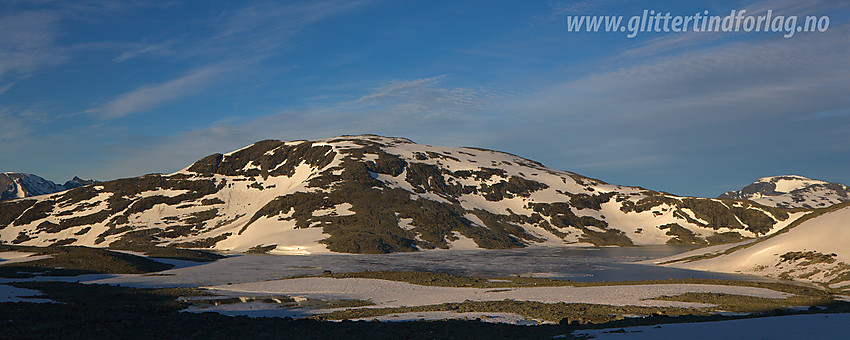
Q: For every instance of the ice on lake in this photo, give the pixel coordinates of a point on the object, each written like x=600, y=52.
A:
x=577, y=264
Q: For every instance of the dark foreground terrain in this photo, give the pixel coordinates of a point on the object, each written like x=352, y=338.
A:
x=103, y=312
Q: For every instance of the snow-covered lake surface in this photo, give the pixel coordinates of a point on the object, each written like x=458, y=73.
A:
x=385, y=293
x=577, y=264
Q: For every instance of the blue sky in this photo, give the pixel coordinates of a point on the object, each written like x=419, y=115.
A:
x=111, y=89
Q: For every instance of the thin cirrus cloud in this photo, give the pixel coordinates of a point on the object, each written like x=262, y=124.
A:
x=17, y=122
x=400, y=88
x=29, y=40
x=246, y=37
x=138, y=50
x=5, y=87
x=426, y=98
x=264, y=29
x=776, y=73
x=150, y=96
x=28, y=43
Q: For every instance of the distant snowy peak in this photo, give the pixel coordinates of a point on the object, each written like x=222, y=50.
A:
x=20, y=185
x=792, y=191
x=77, y=182
x=17, y=185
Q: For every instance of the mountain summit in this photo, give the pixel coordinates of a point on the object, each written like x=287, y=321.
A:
x=792, y=191
x=373, y=194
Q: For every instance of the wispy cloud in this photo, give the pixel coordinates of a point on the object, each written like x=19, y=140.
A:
x=151, y=96
x=400, y=88
x=424, y=97
x=241, y=39
x=18, y=122
x=776, y=73
x=264, y=28
x=137, y=50
x=28, y=43
x=5, y=87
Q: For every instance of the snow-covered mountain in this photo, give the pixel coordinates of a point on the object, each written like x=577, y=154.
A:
x=791, y=191
x=372, y=194
x=19, y=185
x=815, y=249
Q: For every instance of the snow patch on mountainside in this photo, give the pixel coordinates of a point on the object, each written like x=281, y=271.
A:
x=789, y=183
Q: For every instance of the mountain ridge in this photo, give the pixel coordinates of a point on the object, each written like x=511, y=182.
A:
x=373, y=194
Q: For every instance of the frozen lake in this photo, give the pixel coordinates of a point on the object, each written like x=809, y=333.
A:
x=577, y=264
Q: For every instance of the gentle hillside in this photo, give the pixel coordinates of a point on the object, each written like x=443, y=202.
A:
x=814, y=249
x=792, y=191
x=371, y=194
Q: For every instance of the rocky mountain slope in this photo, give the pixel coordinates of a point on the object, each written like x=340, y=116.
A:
x=372, y=194
x=814, y=249
x=791, y=191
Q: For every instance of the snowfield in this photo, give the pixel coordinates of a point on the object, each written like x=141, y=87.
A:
x=384, y=293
